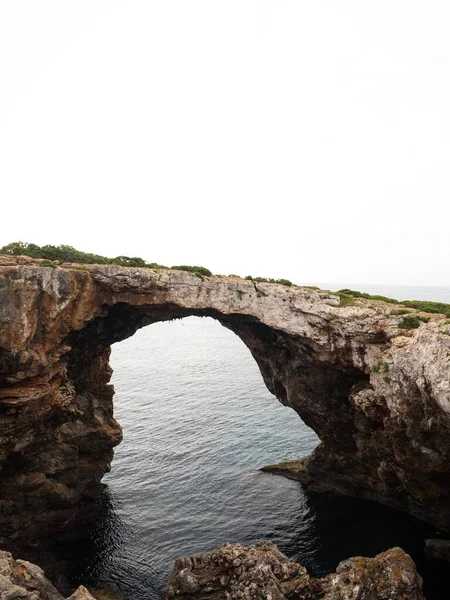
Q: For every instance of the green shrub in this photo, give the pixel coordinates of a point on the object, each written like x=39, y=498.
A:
x=428, y=306
x=400, y=311
x=387, y=379
x=284, y=282
x=345, y=300
x=48, y=263
x=356, y=294
x=127, y=261
x=198, y=271
x=63, y=254
x=410, y=322
x=269, y=280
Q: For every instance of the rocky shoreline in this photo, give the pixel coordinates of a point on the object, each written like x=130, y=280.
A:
x=236, y=572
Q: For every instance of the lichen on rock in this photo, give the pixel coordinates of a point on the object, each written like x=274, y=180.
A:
x=262, y=572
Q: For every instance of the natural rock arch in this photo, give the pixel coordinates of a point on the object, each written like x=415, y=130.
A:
x=382, y=436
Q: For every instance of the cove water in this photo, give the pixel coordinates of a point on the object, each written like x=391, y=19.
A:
x=198, y=422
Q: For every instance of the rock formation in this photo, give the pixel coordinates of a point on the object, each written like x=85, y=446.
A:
x=377, y=396
x=235, y=572
x=22, y=580
x=262, y=572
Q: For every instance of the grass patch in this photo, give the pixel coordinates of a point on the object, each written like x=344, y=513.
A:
x=400, y=311
x=387, y=379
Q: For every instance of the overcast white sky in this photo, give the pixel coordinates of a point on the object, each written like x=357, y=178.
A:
x=300, y=139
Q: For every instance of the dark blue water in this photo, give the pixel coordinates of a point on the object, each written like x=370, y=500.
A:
x=198, y=422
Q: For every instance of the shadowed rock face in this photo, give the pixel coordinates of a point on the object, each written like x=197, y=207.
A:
x=262, y=572
x=377, y=396
x=22, y=580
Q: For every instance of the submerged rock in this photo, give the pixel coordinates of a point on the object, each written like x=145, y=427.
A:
x=262, y=572
x=439, y=549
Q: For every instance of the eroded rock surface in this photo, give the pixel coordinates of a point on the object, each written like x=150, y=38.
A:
x=263, y=572
x=377, y=396
x=22, y=580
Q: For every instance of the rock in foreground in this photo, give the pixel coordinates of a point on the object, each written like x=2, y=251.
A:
x=22, y=580
x=263, y=572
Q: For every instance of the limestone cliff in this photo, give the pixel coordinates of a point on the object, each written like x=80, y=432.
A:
x=377, y=396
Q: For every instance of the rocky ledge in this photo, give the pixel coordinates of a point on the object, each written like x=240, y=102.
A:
x=263, y=572
x=377, y=395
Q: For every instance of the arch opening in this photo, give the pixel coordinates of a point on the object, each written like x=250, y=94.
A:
x=75, y=441
x=184, y=478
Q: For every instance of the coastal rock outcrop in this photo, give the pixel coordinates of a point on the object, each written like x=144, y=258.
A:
x=237, y=572
x=263, y=572
x=378, y=396
x=22, y=580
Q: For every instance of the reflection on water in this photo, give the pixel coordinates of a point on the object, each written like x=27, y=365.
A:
x=319, y=533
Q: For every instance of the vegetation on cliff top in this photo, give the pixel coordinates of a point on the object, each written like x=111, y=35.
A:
x=269, y=280
x=423, y=305
x=57, y=255
x=412, y=322
x=68, y=254
x=355, y=294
